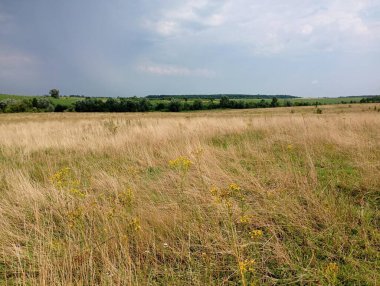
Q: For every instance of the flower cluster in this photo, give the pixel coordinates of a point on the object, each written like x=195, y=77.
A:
x=234, y=188
x=181, y=163
x=77, y=193
x=126, y=197
x=247, y=265
x=256, y=233
x=65, y=180
x=134, y=224
x=233, y=191
x=245, y=219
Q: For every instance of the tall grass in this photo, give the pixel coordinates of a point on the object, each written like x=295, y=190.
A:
x=220, y=198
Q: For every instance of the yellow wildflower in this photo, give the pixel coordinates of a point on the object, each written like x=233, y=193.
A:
x=181, y=163
x=214, y=191
x=126, y=197
x=245, y=219
x=135, y=224
x=256, y=233
x=77, y=193
x=234, y=187
x=332, y=268
x=247, y=265
x=65, y=179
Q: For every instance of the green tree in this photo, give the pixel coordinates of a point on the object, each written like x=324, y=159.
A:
x=224, y=102
x=274, y=102
x=54, y=93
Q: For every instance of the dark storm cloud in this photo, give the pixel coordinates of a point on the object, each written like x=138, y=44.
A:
x=123, y=48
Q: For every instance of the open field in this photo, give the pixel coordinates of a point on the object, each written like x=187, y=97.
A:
x=279, y=196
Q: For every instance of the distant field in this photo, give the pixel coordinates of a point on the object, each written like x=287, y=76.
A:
x=280, y=196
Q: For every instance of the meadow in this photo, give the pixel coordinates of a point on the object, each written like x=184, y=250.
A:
x=281, y=196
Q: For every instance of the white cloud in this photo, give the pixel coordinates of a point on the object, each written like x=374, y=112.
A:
x=187, y=16
x=172, y=70
x=167, y=28
x=307, y=29
x=270, y=27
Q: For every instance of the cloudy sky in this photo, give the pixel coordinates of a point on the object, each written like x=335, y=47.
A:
x=128, y=47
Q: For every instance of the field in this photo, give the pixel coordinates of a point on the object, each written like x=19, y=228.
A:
x=279, y=196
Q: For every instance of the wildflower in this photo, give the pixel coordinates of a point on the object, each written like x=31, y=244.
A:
x=77, y=193
x=228, y=205
x=234, y=187
x=126, y=197
x=247, y=265
x=256, y=233
x=245, y=219
x=181, y=163
x=214, y=191
x=65, y=179
x=332, y=269
x=60, y=178
x=135, y=224
x=290, y=147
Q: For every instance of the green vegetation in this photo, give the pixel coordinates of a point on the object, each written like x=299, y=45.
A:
x=54, y=93
x=219, y=96
x=57, y=103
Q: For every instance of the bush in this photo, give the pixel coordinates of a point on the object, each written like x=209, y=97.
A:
x=3, y=105
x=60, y=108
x=175, y=105
x=197, y=105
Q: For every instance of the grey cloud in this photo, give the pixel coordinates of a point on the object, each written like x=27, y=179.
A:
x=121, y=48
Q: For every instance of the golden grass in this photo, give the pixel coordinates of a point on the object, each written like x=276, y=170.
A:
x=252, y=197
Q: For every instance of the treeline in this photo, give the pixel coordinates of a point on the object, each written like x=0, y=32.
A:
x=175, y=105
x=45, y=104
x=219, y=96
x=11, y=105
x=372, y=99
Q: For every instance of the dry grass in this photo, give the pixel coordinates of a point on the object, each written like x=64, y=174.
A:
x=270, y=197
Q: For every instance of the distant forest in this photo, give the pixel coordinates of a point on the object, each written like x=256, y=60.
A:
x=57, y=103
x=219, y=96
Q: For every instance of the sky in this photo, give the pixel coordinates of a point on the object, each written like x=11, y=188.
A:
x=304, y=48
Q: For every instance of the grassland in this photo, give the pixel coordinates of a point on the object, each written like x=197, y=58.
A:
x=279, y=196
